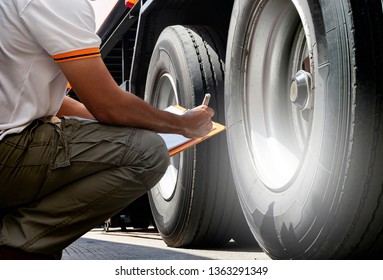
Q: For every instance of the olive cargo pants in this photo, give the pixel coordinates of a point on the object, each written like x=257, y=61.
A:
x=58, y=181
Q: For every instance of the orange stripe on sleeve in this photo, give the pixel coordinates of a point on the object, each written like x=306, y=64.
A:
x=77, y=54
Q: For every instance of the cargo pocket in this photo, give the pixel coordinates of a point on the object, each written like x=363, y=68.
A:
x=24, y=163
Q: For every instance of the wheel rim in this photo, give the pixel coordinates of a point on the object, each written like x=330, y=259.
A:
x=276, y=124
x=165, y=95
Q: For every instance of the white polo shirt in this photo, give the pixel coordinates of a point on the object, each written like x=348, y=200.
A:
x=36, y=35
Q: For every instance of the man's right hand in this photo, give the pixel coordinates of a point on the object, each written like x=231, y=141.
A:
x=197, y=121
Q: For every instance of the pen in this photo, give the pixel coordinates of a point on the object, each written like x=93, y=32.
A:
x=206, y=99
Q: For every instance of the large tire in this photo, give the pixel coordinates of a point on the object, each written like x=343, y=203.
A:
x=309, y=174
x=194, y=204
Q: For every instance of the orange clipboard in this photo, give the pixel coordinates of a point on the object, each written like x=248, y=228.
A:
x=177, y=143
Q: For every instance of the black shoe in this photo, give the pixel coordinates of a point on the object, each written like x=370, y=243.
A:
x=9, y=253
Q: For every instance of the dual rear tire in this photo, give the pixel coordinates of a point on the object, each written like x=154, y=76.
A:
x=303, y=106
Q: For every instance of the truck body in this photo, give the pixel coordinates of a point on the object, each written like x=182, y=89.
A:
x=298, y=83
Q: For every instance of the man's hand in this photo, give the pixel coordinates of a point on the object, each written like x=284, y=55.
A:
x=198, y=121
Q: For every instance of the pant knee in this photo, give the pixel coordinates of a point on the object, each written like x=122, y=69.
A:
x=156, y=158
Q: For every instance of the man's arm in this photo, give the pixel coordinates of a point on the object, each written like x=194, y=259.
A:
x=109, y=104
x=71, y=107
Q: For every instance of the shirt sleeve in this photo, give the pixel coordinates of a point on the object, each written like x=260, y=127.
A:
x=65, y=29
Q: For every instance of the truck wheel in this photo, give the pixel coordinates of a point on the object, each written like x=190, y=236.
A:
x=193, y=204
x=303, y=99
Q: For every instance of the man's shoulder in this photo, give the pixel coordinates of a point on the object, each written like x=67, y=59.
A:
x=70, y=22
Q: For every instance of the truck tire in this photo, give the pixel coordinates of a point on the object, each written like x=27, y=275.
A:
x=303, y=101
x=193, y=205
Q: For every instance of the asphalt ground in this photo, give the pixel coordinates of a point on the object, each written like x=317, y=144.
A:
x=142, y=254
x=147, y=244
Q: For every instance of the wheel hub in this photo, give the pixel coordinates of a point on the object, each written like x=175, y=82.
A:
x=166, y=93
x=300, y=90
